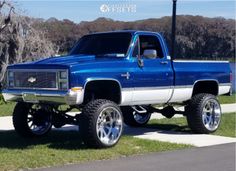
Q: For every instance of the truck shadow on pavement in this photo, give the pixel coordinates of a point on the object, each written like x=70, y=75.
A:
x=69, y=140
x=160, y=128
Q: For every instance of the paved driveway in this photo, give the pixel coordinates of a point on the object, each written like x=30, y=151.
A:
x=214, y=158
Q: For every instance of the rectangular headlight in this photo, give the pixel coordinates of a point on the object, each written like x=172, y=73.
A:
x=11, y=83
x=63, y=85
x=63, y=79
x=10, y=74
x=63, y=75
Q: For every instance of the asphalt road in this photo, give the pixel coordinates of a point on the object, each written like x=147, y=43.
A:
x=214, y=158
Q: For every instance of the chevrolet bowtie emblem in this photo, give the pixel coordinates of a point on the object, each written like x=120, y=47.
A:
x=32, y=79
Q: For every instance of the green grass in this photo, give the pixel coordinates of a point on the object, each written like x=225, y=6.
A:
x=227, y=99
x=60, y=148
x=6, y=109
x=227, y=127
x=1, y=99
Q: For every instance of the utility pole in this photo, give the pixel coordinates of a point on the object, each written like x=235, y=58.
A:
x=173, y=55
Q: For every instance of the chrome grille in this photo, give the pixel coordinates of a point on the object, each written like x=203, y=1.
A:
x=37, y=80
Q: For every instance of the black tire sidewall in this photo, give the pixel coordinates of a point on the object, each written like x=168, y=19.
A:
x=194, y=113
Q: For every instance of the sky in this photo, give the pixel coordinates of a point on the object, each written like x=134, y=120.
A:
x=124, y=10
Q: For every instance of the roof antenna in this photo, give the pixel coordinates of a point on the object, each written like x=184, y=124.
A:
x=173, y=30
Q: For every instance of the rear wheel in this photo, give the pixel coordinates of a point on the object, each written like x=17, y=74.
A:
x=101, y=123
x=133, y=118
x=31, y=120
x=203, y=113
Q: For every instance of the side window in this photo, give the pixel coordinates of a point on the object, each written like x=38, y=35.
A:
x=152, y=46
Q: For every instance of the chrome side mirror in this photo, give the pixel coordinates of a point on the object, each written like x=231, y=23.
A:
x=150, y=53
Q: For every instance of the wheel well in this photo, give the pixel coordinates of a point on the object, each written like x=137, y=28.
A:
x=103, y=89
x=210, y=87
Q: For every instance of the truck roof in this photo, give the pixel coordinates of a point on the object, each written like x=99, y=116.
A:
x=126, y=31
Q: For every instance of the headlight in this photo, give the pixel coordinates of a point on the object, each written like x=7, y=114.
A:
x=10, y=78
x=63, y=75
x=63, y=85
x=63, y=79
x=11, y=83
x=10, y=74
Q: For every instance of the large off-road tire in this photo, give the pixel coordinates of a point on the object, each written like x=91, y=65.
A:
x=30, y=122
x=134, y=119
x=101, y=124
x=203, y=113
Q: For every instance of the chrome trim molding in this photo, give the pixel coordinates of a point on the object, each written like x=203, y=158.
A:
x=155, y=88
x=129, y=96
x=201, y=61
x=225, y=84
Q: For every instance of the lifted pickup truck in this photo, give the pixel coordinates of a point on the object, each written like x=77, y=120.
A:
x=114, y=77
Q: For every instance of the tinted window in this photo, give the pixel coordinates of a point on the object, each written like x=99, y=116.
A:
x=102, y=44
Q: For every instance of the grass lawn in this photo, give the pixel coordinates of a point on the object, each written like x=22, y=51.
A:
x=59, y=148
x=227, y=99
x=227, y=127
x=6, y=109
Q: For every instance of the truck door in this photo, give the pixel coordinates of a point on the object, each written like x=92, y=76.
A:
x=153, y=82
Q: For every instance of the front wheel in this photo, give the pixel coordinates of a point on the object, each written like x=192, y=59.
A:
x=31, y=120
x=203, y=113
x=101, y=123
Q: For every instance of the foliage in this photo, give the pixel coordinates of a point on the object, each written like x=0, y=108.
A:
x=197, y=36
x=227, y=99
x=19, y=41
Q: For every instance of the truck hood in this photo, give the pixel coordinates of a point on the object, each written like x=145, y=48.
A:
x=66, y=61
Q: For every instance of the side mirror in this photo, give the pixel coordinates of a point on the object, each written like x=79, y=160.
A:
x=150, y=53
x=140, y=62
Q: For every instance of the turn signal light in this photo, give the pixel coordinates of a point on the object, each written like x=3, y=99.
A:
x=76, y=89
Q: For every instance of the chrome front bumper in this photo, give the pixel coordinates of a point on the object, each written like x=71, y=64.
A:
x=37, y=96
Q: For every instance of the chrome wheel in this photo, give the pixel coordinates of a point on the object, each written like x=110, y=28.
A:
x=211, y=115
x=39, y=121
x=109, y=126
x=141, y=118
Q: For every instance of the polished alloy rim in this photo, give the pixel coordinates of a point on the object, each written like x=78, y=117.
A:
x=211, y=115
x=109, y=125
x=141, y=118
x=39, y=122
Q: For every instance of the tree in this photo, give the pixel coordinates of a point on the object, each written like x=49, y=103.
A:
x=19, y=41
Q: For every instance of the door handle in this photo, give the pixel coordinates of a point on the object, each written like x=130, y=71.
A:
x=164, y=62
x=126, y=75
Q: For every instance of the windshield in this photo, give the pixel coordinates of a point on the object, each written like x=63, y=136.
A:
x=110, y=44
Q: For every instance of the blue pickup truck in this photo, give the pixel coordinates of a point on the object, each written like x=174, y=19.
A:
x=115, y=78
